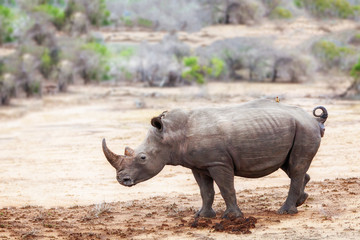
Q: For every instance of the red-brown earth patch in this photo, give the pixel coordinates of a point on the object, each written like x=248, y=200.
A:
x=172, y=217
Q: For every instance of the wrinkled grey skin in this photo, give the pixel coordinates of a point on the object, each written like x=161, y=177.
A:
x=250, y=140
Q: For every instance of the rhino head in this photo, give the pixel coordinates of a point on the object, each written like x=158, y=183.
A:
x=143, y=163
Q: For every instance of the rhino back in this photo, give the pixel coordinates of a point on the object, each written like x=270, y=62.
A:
x=254, y=141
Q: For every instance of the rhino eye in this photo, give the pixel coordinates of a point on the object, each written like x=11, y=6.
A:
x=142, y=157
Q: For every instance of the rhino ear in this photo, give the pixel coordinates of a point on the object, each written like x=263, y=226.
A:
x=129, y=152
x=156, y=122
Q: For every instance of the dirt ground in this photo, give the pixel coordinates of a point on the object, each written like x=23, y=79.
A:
x=56, y=183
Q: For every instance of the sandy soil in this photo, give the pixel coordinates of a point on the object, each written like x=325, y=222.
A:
x=56, y=183
x=325, y=216
x=286, y=34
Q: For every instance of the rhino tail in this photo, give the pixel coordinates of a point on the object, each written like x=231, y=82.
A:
x=321, y=118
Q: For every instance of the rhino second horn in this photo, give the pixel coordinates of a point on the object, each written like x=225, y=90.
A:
x=114, y=159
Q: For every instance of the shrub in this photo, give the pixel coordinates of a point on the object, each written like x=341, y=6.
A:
x=354, y=88
x=244, y=58
x=61, y=3
x=194, y=71
x=291, y=66
x=329, y=8
x=7, y=89
x=355, y=71
x=127, y=52
x=217, y=67
x=98, y=48
x=6, y=28
x=144, y=22
x=46, y=63
x=56, y=15
x=64, y=75
x=299, y=3
x=243, y=12
x=281, y=13
x=331, y=55
x=161, y=15
x=355, y=39
x=329, y=50
x=93, y=61
x=8, y=2
x=158, y=64
x=96, y=11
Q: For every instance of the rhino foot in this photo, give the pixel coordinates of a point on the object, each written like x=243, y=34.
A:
x=207, y=213
x=302, y=199
x=233, y=213
x=287, y=210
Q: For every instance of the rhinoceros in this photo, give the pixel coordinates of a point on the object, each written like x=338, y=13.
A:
x=249, y=140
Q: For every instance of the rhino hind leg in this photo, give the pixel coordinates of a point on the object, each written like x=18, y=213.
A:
x=296, y=167
x=289, y=207
x=303, y=194
x=224, y=178
x=207, y=192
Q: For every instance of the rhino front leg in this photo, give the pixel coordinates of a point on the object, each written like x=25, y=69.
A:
x=207, y=192
x=224, y=178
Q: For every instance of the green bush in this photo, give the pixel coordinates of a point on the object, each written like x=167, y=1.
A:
x=355, y=39
x=126, y=73
x=298, y=3
x=144, y=22
x=127, y=21
x=98, y=67
x=46, y=63
x=98, y=48
x=95, y=10
x=330, y=54
x=281, y=13
x=35, y=87
x=6, y=28
x=355, y=71
x=127, y=52
x=100, y=17
x=8, y=2
x=194, y=71
x=54, y=2
x=354, y=88
x=329, y=50
x=329, y=8
x=57, y=15
x=217, y=67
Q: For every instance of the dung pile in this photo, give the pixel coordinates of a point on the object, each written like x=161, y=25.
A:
x=231, y=225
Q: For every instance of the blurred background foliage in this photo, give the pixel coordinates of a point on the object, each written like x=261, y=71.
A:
x=59, y=42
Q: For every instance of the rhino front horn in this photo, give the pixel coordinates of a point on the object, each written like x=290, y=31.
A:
x=114, y=159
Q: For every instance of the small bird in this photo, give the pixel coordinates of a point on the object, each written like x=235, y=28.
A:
x=277, y=99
